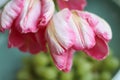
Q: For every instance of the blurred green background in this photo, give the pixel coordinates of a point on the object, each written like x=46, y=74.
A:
x=10, y=59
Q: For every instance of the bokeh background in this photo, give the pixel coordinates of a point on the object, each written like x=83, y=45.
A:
x=11, y=59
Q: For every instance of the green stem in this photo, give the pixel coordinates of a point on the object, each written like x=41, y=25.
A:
x=56, y=6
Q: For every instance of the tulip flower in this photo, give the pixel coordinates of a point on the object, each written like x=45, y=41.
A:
x=27, y=15
x=72, y=4
x=60, y=38
x=102, y=34
x=77, y=30
x=30, y=42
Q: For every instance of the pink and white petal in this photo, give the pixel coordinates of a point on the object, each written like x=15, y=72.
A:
x=99, y=25
x=103, y=30
x=59, y=34
x=63, y=61
x=72, y=4
x=69, y=61
x=99, y=51
x=47, y=12
x=10, y=12
x=15, y=39
x=93, y=21
x=84, y=33
x=60, y=60
x=28, y=19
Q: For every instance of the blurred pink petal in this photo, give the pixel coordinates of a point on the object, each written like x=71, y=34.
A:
x=15, y=39
x=72, y=4
x=99, y=51
x=59, y=34
x=99, y=25
x=27, y=14
x=83, y=32
x=63, y=61
x=10, y=12
x=60, y=38
x=101, y=30
x=69, y=61
x=46, y=12
x=29, y=42
x=28, y=18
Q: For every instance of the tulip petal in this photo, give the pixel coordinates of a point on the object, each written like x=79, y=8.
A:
x=99, y=51
x=23, y=48
x=69, y=61
x=40, y=36
x=29, y=42
x=84, y=33
x=10, y=12
x=59, y=34
x=15, y=39
x=63, y=61
x=99, y=25
x=72, y=4
x=28, y=19
x=103, y=30
x=47, y=12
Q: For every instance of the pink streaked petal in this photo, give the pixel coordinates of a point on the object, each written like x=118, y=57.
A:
x=60, y=60
x=84, y=33
x=47, y=12
x=59, y=34
x=99, y=25
x=28, y=19
x=72, y=4
x=10, y=12
x=99, y=51
x=63, y=61
x=103, y=30
x=69, y=61
x=88, y=17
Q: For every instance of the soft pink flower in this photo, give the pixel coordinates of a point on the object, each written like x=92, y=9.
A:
x=72, y=4
x=102, y=31
x=60, y=38
x=30, y=42
x=77, y=30
x=27, y=15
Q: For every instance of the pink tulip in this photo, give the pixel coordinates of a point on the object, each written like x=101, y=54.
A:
x=72, y=4
x=77, y=30
x=27, y=15
x=60, y=38
x=30, y=42
x=102, y=32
